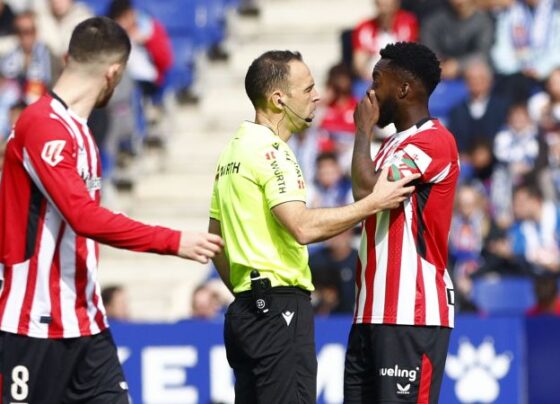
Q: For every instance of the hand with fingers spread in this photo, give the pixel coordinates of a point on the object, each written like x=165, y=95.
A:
x=389, y=194
x=200, y=246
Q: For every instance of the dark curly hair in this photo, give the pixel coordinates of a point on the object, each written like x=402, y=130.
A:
x=416, y=59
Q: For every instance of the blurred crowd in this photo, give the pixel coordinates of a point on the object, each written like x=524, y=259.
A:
x=34, y=36
x=500, y=97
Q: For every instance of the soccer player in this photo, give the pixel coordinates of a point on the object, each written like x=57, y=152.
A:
x=54, y=343
x=404, y=304
x=258, y=205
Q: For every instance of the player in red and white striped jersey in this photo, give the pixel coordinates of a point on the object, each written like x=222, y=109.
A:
x=404, y=302
x=53, y=333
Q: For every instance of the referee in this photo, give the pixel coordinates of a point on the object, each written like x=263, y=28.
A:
x=258, y=207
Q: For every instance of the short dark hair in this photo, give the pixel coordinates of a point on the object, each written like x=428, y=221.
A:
x=532, y=189
x=416, y=59
x=326, y=156
x=267, y=72
x=97, y=37
x=118, y=8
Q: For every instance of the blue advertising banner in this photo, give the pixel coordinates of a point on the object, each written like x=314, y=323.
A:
x=486, y=362
x=186, y=362
x=543, y=359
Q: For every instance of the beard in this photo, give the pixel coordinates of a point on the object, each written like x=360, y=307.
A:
x=387, y=113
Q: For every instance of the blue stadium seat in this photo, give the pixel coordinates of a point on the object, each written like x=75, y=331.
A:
x=446, y=95
x=179, y=17
x=504, y=295
x=181, y=74
x=99, y=7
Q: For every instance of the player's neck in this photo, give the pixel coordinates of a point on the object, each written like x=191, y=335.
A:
x=275, y=123
x=78, y=93
x=410, y=116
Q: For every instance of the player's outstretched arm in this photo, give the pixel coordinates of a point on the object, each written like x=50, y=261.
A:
x=199, y=246
x=311, y=225
x=366, y=116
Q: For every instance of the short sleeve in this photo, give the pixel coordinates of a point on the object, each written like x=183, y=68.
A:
x=279, y=175
x=215, y=212
x=425, y=154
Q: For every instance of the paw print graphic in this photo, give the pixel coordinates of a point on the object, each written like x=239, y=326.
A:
x=477, y=371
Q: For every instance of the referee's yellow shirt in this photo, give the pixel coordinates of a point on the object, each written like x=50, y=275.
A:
x=256, y=172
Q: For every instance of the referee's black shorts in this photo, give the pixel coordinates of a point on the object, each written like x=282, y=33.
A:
x=395, y=364
x=273, y=355
x=61, y=371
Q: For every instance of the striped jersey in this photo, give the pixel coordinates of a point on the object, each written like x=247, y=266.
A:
x=401, y=273
x=50, y=223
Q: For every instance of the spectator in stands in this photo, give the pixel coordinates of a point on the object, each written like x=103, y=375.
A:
x=494, y=6
x=457, y=34
x=527, y=46
x=115, y=301
x=544, y=106
x=30, y=62
x=152, y=55
x=497, y=254
x=10, y=94
x=469, y=227
x=56, y=20
x=307, y=145
x=516, y=148
x=477, y=165
x=333, y=266
x=536, y=233
x=7, y=17
x=15, y=111
x=325, y=299
x=151, y=59
x=546, y=293
x=121, y=140
x=205, y=303
x=338, y=118
x=390, y=25
x=483, y=113
x=550, y=175
x=422, y=9
x=331, y=187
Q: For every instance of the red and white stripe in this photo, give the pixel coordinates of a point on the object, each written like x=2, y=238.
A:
x=59, y=281
x=396, y=282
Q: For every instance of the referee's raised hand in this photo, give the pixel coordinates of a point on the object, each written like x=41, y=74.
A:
x=199, y=246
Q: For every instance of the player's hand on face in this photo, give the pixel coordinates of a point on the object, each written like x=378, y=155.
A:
x=366, y=113
x=389, y=194
x=200, y=246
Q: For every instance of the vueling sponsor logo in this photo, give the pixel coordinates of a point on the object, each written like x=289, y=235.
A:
x=409, y=374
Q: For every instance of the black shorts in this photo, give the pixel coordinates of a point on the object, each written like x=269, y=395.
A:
x=60, y=371
x=273, y=356
x=395, y=364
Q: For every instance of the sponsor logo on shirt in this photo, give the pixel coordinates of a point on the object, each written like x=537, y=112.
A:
x=52, y=152
x=229, y=168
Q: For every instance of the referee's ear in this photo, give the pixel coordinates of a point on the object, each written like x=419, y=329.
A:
x=277, y=100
